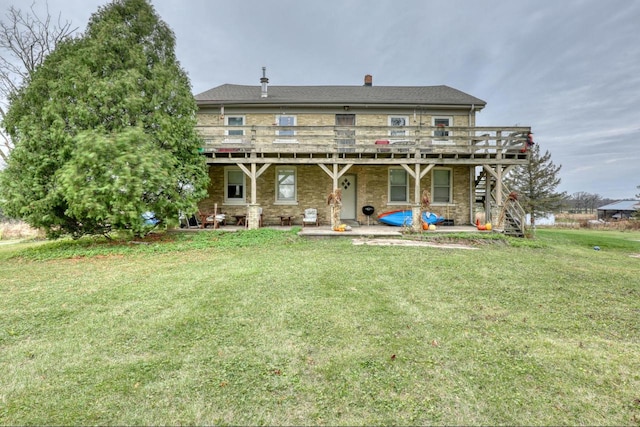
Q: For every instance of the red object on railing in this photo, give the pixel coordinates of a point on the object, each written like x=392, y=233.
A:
x=383, y=142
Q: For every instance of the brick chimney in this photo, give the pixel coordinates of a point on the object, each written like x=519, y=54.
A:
x=368, y=80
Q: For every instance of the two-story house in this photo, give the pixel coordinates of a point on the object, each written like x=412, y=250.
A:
x=277, y=150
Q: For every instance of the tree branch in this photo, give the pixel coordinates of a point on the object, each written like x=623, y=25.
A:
x=25, y=41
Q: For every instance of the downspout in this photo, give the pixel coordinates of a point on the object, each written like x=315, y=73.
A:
x=473, y=108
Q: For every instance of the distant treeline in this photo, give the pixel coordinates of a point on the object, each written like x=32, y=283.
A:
x=583, y=202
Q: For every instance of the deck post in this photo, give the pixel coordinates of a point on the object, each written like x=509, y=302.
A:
x=253, y=216
x=254, y=186
x=499, y=201
x=416, y=185
x=416, y=224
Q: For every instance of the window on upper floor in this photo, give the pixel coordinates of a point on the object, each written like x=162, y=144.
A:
x=286, y=121
x=441, y=185
x=398, y=185
x=441, y=124
x=286, y=180
x=398, y=122
x=231, y=122
x=345, y=119
x=344, y=135
x=234, y=184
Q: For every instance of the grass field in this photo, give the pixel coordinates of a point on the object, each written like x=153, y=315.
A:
x=265, y=328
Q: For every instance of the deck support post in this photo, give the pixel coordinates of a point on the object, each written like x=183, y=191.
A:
x=253, y=210
x=253, y=217
x=417, y=175
x=487, y=199
x=499, y=201
x=493, y=209
x=416, y=220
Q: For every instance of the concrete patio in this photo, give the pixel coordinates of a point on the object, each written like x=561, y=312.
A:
x=377, y=230
x=359, y=230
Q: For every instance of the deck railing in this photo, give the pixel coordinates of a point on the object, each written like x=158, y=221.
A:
x=361, y=139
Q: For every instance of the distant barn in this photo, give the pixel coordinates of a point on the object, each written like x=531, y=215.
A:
x=623, y=209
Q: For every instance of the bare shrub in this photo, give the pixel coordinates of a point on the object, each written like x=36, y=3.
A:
x=18, y=230
x=590, y=221
x=567, y=217
x=629, y=225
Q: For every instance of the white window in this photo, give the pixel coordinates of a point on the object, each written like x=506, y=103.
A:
x=345, y=119
x=441, y=133
x=399, y=122
x=441, y=185
x=286, y=191
x=286, y=121
x=234, y=184
x=231, y=122
x=345, y=133
x=285, y=132
x=398, y=186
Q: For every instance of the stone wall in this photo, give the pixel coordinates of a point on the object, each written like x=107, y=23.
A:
x=363, y=117
x=314, y=187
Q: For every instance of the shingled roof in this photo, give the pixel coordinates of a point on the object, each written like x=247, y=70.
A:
x=369, y=95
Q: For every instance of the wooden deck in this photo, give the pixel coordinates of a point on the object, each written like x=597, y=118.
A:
x=364, y=144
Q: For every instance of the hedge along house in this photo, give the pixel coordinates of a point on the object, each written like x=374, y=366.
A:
x=277, y=150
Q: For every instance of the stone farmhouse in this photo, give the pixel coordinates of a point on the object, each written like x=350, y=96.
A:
x=274, y=151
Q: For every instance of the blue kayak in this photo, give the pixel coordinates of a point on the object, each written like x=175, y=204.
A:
x=405, y=218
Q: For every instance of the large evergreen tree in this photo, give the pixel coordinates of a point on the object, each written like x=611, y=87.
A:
x=105, y=130
x=536, y=184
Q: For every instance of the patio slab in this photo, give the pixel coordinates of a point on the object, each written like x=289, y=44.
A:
x=378, y=230
x=363, y=230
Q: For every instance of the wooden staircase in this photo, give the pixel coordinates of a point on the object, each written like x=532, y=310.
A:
x=511, y=217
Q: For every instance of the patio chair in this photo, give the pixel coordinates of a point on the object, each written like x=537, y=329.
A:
x=188, y=221
x=310, y=217
x=216, y=219
x=183, y=219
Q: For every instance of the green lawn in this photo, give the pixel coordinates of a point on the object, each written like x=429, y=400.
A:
x=263, y=327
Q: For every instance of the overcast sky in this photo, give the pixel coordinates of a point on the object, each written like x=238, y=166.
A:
x=570, y=69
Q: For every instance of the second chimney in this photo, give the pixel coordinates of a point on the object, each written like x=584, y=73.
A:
x=368, y=80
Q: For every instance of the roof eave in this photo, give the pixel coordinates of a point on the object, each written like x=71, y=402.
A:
x=275, y=103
